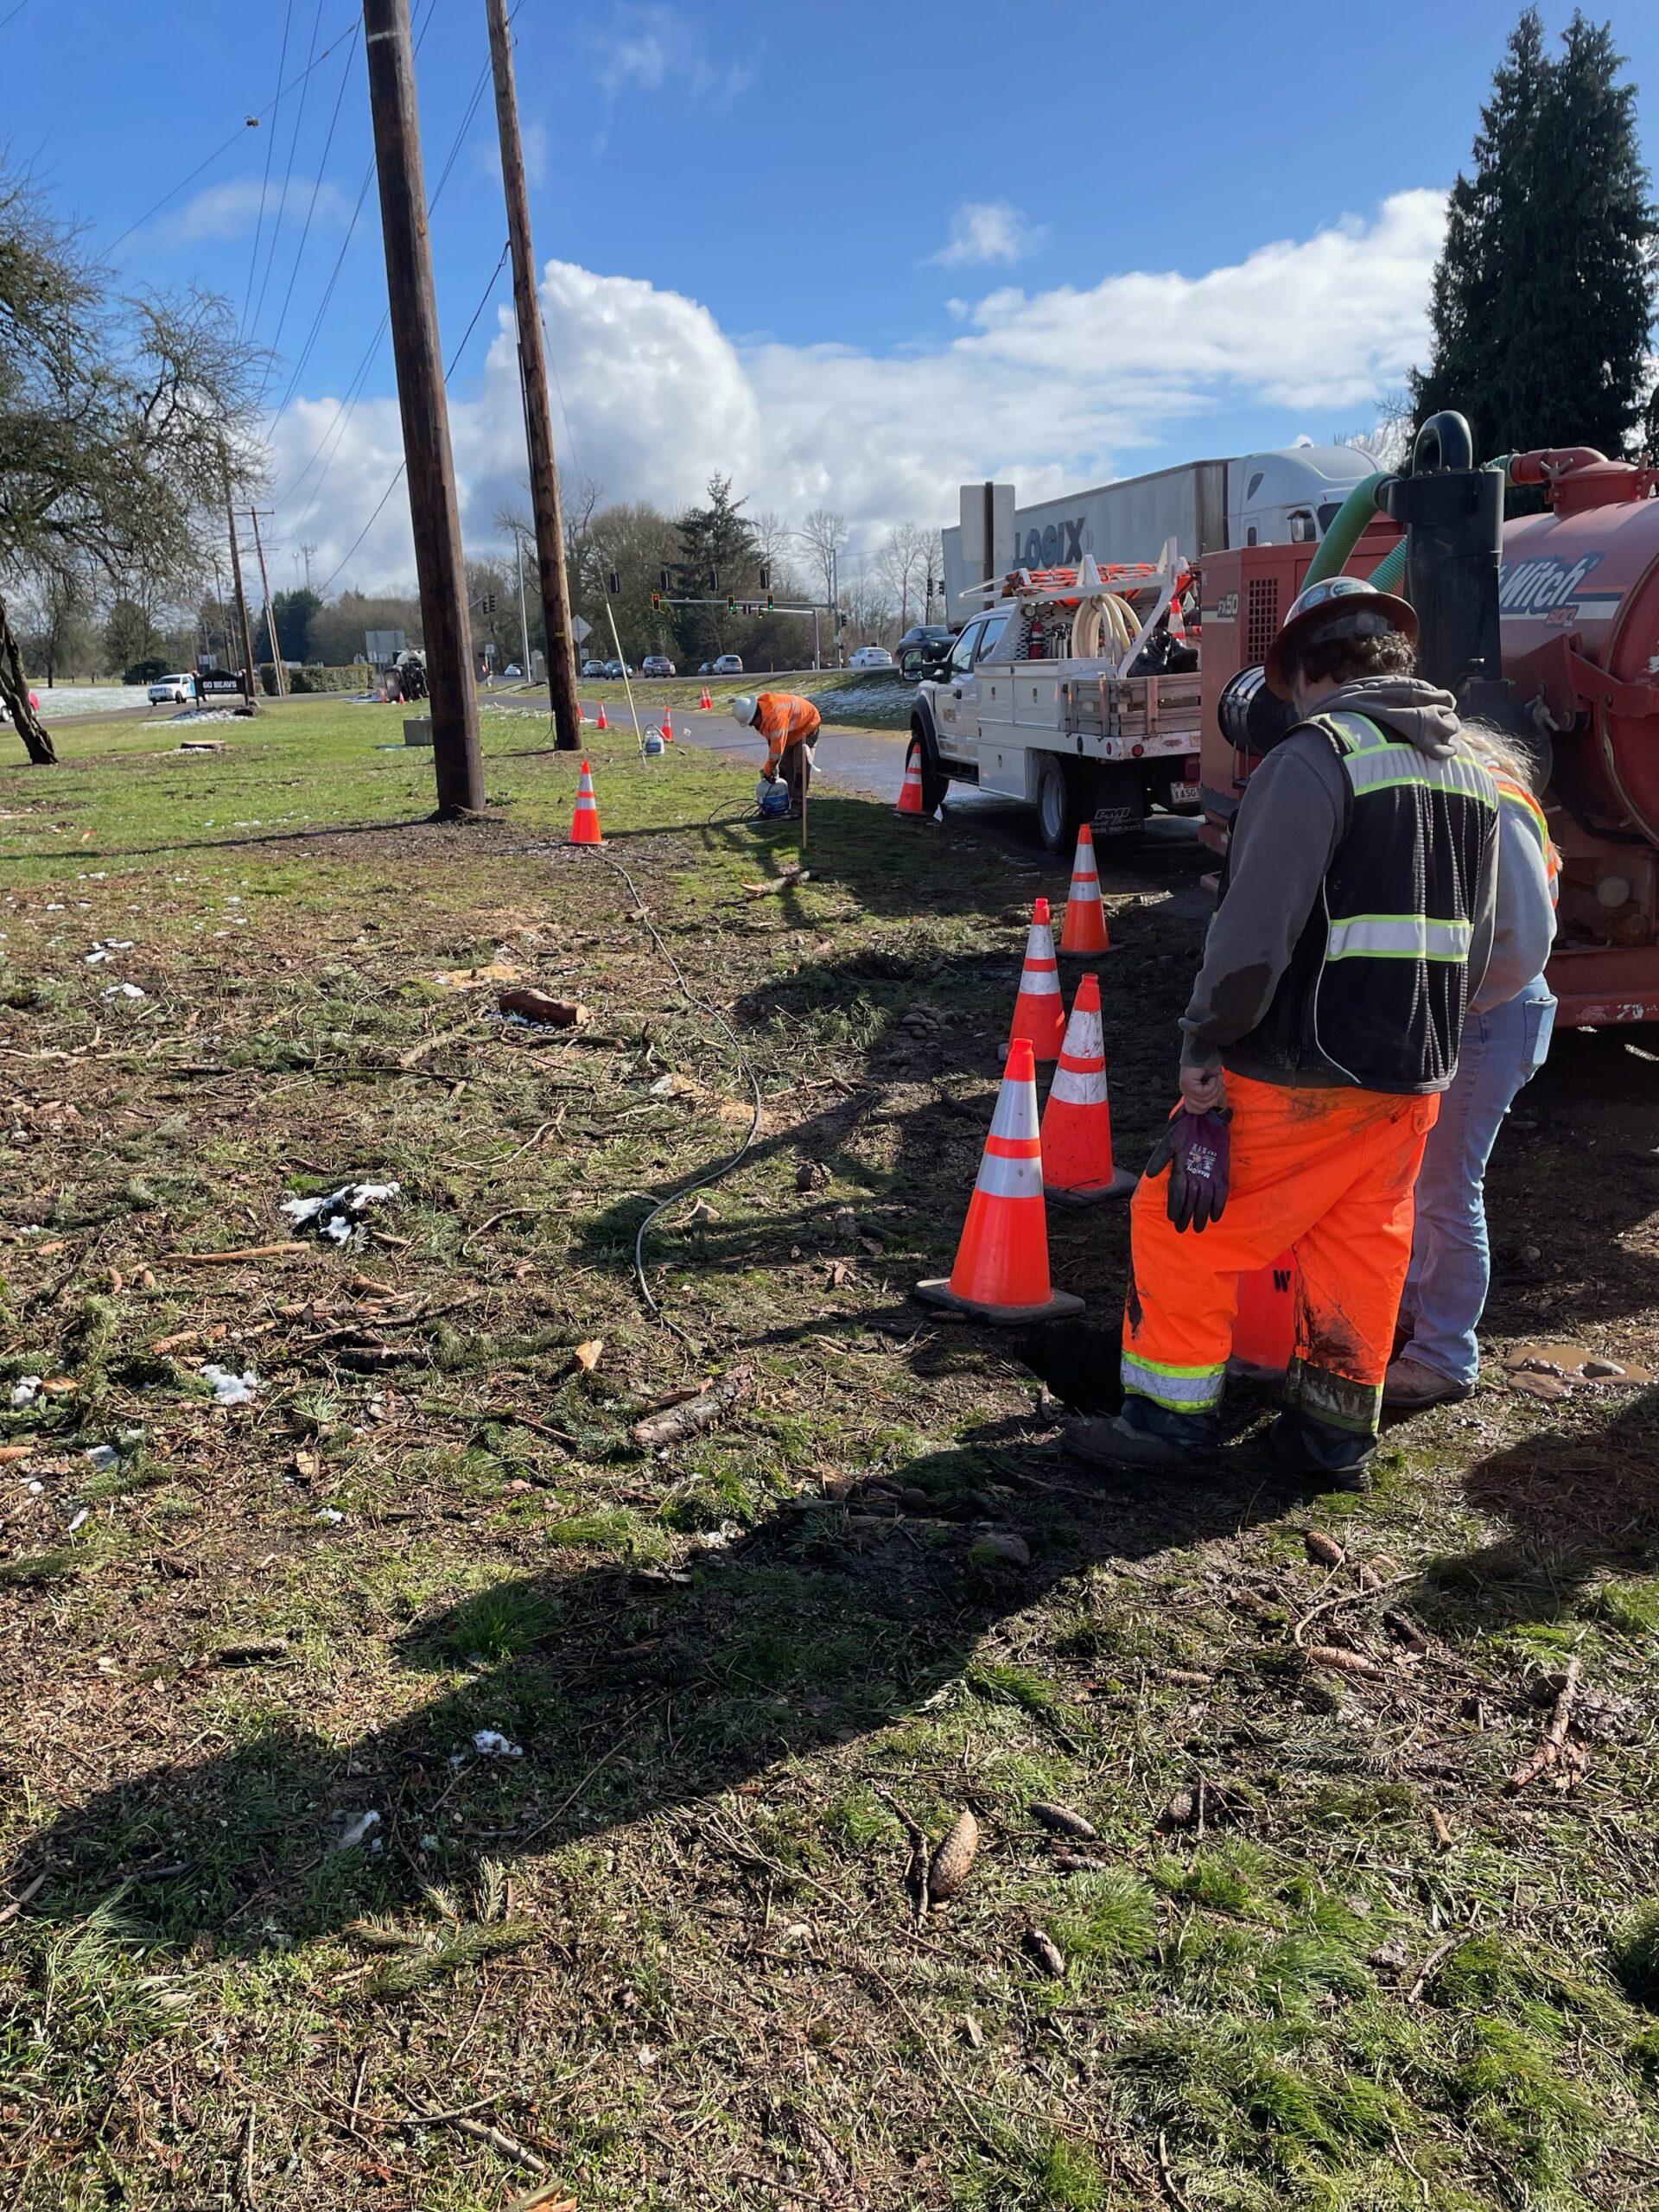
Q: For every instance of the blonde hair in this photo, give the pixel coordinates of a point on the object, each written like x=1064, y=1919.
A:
x=1494, y=749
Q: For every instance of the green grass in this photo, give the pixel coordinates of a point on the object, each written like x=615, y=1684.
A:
x=674, y=1950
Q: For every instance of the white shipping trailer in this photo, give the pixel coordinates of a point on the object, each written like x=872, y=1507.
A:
x=1285, y=498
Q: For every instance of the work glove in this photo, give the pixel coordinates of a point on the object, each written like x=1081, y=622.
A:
x=1197, y=1148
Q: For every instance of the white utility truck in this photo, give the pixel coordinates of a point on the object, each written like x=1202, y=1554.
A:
x=1077, y=691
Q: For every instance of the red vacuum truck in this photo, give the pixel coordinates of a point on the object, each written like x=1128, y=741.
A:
x=1546, y=625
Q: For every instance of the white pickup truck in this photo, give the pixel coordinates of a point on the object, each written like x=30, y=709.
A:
x=1075, y=690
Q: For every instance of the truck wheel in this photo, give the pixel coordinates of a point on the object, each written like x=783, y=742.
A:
x=935, y=783
x=1059, y=811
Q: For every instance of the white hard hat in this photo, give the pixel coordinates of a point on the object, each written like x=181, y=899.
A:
x=742, y=710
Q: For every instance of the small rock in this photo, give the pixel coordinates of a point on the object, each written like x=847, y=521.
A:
x=1001, y=1548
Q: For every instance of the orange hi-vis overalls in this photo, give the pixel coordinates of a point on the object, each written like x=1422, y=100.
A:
x=1327, y=1173
x=784, y=720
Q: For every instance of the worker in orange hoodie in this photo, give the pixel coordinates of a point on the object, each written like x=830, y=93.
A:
x=1356, y=917
x=790, y=725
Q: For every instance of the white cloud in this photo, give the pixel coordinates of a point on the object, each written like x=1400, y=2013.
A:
x=1050, y=390
x=986, y=231
x=650, y=48
x=226, y=211
x=532, y=138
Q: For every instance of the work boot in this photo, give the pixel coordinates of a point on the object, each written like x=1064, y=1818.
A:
x=1410, y=1386
x=1147, y=1435
x=1337, y=1458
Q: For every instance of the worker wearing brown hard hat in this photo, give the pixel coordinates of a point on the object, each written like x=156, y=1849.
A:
x=1357, y=906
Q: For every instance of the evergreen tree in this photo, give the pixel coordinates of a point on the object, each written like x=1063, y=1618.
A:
x=716, y=540
x=1545, y=292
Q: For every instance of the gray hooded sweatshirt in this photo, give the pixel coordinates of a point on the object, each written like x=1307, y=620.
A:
x=1285, y=832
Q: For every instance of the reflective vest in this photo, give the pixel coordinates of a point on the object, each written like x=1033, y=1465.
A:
x=1517, y=795
x=783, y=718
x=1376, y=989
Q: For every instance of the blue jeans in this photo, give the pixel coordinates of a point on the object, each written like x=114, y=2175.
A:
x=1451, y=1263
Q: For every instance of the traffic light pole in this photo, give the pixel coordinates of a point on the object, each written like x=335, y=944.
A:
x=439, y=564
x=538, y=414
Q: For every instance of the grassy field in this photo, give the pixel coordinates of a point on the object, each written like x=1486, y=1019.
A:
x=420, y=1794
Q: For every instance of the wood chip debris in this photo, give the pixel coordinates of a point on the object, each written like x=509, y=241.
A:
x=709, y=1406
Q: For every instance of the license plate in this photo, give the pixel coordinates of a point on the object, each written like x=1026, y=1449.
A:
x=1185, y=794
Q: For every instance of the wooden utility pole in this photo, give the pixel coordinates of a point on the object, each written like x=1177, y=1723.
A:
x=438, y=561
x=241, y=599
x=538, y=414
x=271, y=612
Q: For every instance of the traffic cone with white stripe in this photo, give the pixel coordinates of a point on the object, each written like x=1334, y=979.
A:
x=909, y=798
x=1040, y=1011
x=1078, y=1167
x=1085, y=918
x=1001, y=1269
x=668, y=728
x=705, y=705
x=599, y=720
x=584, y=823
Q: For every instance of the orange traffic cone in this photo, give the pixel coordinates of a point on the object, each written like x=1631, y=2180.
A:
x=1078, y=1167
x=1001, y=1269
x=584, y=823
x=1264, y=1334
x=668, y=728
x=1040, y=1011
x=910, y=799
x=601, y=722
x=705, y=705
x=1085, y=918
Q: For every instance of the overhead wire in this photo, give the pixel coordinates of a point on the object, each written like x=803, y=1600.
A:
x=305, y=232
x=288, y=172
x=270, y=149
x=235, y=138
x=454, y=363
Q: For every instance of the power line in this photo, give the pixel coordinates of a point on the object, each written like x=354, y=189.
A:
x=270, y=148
x=13, y=16
x=316, y=186
x=235, y=138
x=454, y=363
x=288, y=173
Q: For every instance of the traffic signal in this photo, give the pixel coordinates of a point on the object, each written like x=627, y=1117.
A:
x=765, y=577
x=714, y=579
x=769, y=602
x=731, y=604
x=656, y=599
x=666, y=585
x=616, y=585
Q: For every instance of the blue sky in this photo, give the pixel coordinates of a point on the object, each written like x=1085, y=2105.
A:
x=851, y=254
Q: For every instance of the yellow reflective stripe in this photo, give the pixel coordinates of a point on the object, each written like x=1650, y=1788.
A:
x=1397, y=936
x=1183, y=1390
x=1389, y=767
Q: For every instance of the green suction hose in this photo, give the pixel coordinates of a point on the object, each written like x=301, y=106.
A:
x=1337, y=546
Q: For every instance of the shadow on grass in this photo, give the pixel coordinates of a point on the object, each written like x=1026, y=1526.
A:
x=1577, y=1505
x=630, y=1693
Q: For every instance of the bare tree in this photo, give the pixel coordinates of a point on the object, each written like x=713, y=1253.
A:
x=122, y=425
x=822, y=534
x=1389, y=441
x=901, y=558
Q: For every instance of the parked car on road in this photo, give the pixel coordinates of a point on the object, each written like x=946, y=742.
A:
x=177, y=690
x=593, y=668
x=870, y=657
x=513, y=669
x=728, y=664
x=656, y=664
x=924, y=645
x=616, y=670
